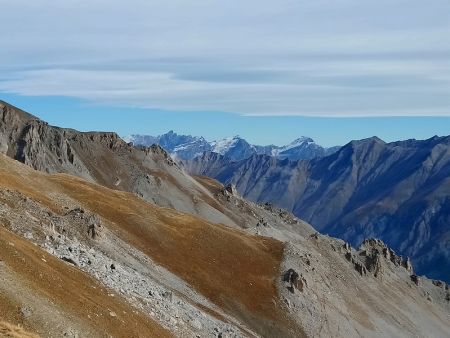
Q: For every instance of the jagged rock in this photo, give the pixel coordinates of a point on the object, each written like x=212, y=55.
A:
x=287, y=216
x=347, y=247
x=262, y=222
x=268, y=206
x=157, y=149
x=95, y=227
x=439, y=283
x=374, y=264
x=93, y=222
x=415, y=279
x=301, y=284
x=361, y=268
x=168, y=295
x=374, y=248
x=349, y=257
x=408, y=265
x=229, y=190
x=315, y=235
x=287, y=302
x=78, y=211
x=292, y=278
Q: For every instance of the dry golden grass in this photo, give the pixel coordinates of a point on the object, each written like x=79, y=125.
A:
x=11, y=331
x=211, y=184
x=73, y=291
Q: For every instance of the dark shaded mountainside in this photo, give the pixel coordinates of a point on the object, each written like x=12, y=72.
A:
x=107, y=239
x=398, y=192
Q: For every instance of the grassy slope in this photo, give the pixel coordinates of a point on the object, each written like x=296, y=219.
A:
x=233, y=269
x=69, y=290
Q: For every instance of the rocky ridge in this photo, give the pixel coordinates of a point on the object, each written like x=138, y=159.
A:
x=398, y=192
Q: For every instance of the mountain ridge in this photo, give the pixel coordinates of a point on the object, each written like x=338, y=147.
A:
x=186, y=147
x=369, y=188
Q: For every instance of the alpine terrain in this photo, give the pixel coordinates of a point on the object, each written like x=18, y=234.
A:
x=398, y=192
x=100, y=238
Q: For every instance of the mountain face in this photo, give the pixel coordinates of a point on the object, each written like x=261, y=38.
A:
x=398, y=192
x=79, y=259
x=179, y=146
x=99, y=238
x=236, y=148
x=303, y=148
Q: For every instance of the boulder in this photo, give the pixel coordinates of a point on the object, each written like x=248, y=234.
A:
x=415, y=279
x=292, y=278
x=230, y=189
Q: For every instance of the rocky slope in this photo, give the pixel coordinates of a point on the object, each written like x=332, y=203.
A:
x=104, y=158
x=235, y=148
x=80, y=259
x=399, y=192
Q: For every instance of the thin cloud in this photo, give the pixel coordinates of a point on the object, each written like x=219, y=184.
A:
x=312, y=58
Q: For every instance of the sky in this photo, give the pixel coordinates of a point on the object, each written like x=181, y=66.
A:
x=270, y=71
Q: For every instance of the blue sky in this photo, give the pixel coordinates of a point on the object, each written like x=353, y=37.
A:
x=270, y=71
x=73, y=113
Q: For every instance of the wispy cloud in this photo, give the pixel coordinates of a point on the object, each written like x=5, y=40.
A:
x=312, y=58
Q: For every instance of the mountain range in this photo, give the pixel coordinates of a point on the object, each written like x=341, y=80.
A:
x=398, y=192
x=186, y=147
x=102, y=238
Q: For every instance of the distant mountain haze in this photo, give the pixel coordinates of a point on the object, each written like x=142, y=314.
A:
x=186, y=147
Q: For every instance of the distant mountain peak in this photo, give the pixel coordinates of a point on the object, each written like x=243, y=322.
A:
x=370, y=140
x=186, y=147
x=303, y=139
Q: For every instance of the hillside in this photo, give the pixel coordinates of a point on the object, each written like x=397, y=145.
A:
x=78, y=258
x=230, y=281
x=104, y=158
x=398, y=192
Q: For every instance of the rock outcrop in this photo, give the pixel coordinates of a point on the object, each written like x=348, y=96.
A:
x=372, y=257
x=294, y=281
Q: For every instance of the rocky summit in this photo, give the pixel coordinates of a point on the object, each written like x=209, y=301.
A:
x=101, y=238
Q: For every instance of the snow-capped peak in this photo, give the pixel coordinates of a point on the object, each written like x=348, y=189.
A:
x=236, y=148
x=223, y=145
x=301, y=140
